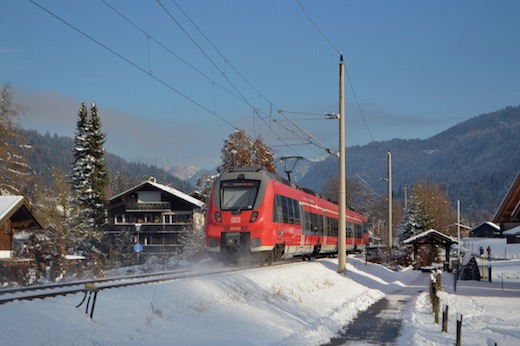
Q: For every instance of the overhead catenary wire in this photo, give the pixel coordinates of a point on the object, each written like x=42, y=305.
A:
x=256, y=111
x=148, y=71
x=204, y=53
x=346, y=70
x=120, y=56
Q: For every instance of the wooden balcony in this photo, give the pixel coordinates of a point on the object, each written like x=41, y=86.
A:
x=148, y=206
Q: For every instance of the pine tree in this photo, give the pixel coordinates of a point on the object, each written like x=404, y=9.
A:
x=96, y=140
x=89, y=180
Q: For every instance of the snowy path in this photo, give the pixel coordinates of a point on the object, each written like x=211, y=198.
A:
x=380, y=324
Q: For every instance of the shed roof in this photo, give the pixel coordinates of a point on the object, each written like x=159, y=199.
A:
x=430, y=236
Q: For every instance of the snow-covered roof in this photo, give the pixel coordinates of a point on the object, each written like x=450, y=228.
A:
x=492, y=224
x=165, y=188
x=427, y=233
x=8, y=203
x=512, y=231
x=177, y=193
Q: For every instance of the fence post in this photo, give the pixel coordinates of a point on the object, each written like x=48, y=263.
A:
x=445, y=319
x=459, y=329
x=436, y=308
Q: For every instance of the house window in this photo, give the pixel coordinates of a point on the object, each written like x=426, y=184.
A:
x=119, y=218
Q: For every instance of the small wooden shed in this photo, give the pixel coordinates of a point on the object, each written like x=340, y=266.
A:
x=431, y=237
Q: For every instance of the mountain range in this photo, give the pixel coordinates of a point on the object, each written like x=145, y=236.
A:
x=474, y=161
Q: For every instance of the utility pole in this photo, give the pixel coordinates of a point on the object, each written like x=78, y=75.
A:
x=390, y=237
x=458, y=230
x=342, y=253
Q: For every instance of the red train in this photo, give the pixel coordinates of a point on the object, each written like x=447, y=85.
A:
x=253, y=214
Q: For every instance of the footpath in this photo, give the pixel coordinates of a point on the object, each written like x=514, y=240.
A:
x=381, y=322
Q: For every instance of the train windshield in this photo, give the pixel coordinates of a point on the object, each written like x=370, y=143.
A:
x=238, y=194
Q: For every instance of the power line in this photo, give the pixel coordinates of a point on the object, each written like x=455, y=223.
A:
x=187, y=63
x=318, y=29
x=204, y=53
x=132, y=63
x=348, y=76
x=148, y=71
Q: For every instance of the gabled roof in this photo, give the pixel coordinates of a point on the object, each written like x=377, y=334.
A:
x=17, y=207
x=488, y=223
x=168, y=189
x=429, y=236
x=509, y=209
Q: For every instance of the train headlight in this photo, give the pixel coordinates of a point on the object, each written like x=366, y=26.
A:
x=254, y=216
x=218, y=216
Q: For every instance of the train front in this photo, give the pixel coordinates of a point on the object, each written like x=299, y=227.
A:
x=239, y=221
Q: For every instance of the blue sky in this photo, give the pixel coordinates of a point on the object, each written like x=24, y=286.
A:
x=172, y=79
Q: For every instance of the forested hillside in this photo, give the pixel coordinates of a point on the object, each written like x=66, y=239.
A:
x=474, y=161
x=54, y=152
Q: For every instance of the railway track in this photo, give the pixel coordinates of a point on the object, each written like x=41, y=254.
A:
x=62, y=289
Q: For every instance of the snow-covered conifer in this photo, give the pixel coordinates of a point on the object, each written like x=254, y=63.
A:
x=89, y=179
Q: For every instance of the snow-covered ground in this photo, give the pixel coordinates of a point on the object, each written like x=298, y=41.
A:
x=304, y=303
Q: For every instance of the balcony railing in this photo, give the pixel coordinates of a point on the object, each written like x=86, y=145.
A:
x=143, y=206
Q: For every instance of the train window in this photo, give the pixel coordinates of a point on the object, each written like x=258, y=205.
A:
x=277, y=211
x=285, y=209
x=333, y=227
x=238, y=194
x=359, y=230
x=296, y=210
x=316, y=228
x=308, y=223
x=350, y=231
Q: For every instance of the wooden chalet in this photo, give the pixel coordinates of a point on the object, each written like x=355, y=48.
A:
x=17, y=223
x=16, y=216
x=155, y=215
x=508, y=213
